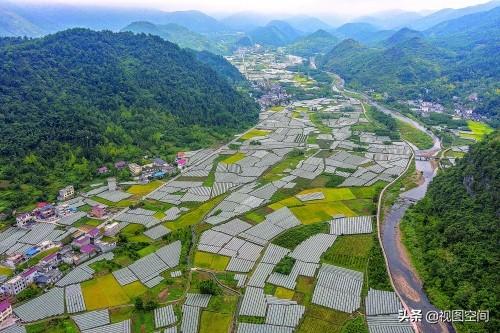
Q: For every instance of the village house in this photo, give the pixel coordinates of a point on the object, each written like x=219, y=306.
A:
x=112, y=229
x=46, y=278
x=103, y=170
x=81, y=241
x=13, y=260
x=15, y=285
x=98, y=211
x=19, y=282
x=135, y=169
x=5, y=310
x=66, y=193
x=120, y=165
x=50, y=261
x=44, y=211
x=94, y=233
x=25, y=220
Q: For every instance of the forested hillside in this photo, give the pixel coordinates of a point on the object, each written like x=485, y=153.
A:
x=453, y=235
x=456, y=58
x=79, y=98
x=318, y=42
x=176, y=34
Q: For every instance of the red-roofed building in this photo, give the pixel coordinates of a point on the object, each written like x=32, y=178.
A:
x=41, y=204
x=51, y=259
x=181, y=163
x=81, y=241
x=120, y=165
x=94, y=233
x=29, y=274
x=103, y=170
x=5, y=310
x=98, y=211
x=88, y=249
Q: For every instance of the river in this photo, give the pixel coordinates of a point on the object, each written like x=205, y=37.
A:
x=403, y=274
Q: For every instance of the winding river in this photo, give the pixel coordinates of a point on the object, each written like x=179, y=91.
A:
x=404, y=277
x=403, y=274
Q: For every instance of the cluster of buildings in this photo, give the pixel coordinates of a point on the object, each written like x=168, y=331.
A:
x=424, y=107
x=154, y=170
x=83, y=246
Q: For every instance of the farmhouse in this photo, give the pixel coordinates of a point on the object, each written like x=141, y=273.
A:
x=66, y=193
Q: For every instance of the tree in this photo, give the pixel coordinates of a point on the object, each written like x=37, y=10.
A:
x=210, y=287
x=139, y=304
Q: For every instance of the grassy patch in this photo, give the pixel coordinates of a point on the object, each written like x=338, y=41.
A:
x=290, y=162
x=478, y=130
x=143, y=321
x=143, y=189
x=212, y=261
x=55, y=325
x=318, y=212
x=214, y=322
x=223, y=304
x=87, y=221
x=254, y=133
x=285, y=266
x=355, y=325
x=277, y=108
x=103, y=292
x=417, y=137
x=321, y=319
x=255, y=217
x=194, y=216
x=5, y=271
x=294, y=236
x=284, y=293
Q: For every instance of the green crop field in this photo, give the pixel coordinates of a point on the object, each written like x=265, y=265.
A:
x=56, y=325
x=294, y=236
x=414, y=135
x=234, y=158
x=284, y=293
x=103, y=292
x=254, y=133
x=477, y=130
x=194, y=216
x=213, y=322
x=143, y=189
x=277, y=108
x=210, y=261
x=350, y=251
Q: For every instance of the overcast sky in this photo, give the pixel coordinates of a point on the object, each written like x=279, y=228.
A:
x=324, y=7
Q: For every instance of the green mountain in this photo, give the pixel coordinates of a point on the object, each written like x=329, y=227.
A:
x=400, y=68
x=362, y=32
x=453, y=235
x=176, y=34
x=468, y=31
x=308, y=23
x=448, y=14
x=456, y=58
x=402, y=35
x=318, y=42
x=76, y=99
x=12, y=25
x=275, y=33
